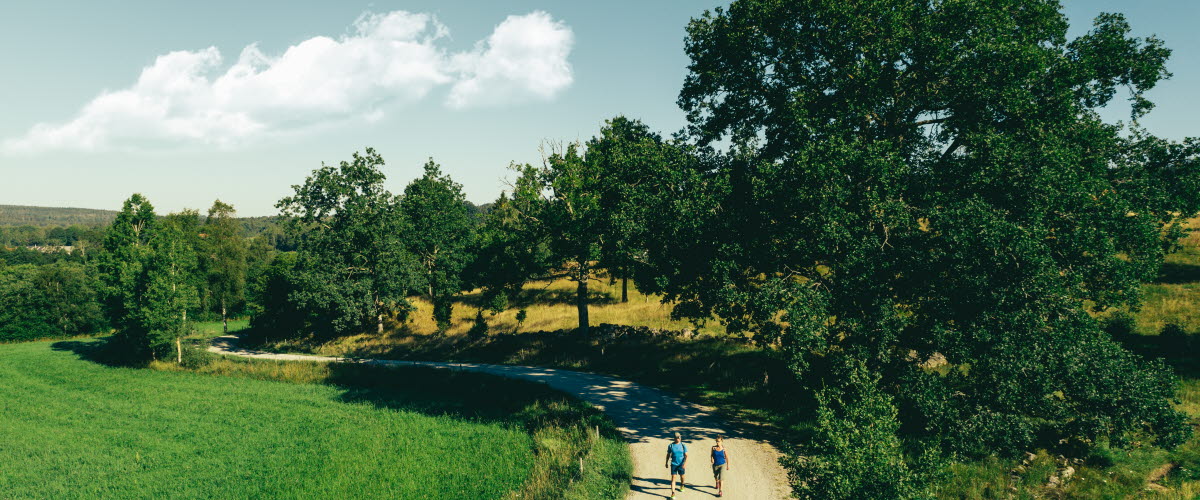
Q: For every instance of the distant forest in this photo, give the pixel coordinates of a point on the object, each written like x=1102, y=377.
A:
x=17, y=215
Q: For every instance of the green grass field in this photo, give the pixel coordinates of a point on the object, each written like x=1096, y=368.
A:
x=71, y=427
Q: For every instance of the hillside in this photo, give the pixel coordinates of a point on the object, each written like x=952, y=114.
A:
x=18, y=215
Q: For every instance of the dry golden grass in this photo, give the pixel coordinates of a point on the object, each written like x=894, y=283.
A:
x=549, y=306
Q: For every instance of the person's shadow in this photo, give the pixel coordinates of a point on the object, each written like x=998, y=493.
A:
x=659, y=487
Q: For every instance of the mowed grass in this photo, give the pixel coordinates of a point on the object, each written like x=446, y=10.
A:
x=72, y=428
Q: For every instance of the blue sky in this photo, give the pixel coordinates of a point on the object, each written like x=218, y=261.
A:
x=475, y=85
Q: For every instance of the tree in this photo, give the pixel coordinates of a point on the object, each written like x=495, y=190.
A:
x=225, y=259
x=170, y=290
x=126, y=250
x=274, y=311
x=905, y=178
x=441, y=233
x=513, y=245
x=25, y=314
x=573, y=217
x=629, y=157
x=352, y=267
x=70, y=292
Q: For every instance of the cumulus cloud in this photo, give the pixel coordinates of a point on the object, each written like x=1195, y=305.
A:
x=524, y=56
x=384, y=62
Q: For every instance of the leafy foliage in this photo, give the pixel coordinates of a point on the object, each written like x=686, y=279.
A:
x=52, y=300
x=856, y=452
x=352, y=267
x=932, y=177
x=440, y=234
x=224, y=259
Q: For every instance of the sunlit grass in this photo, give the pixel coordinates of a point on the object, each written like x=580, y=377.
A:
x=551, y=306
x=72, y=428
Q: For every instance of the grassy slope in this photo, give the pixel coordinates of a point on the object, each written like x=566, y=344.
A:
x=70, y=427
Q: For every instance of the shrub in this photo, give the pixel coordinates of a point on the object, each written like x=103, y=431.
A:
x=480, y=328
x=197, y=357
x=442, y=313
x=856, y=453
x=1120, y=325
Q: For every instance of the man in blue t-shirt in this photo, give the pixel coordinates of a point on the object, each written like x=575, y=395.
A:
x=676, y=460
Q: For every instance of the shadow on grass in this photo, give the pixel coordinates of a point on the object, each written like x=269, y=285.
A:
x=747, y=384
x=1178, y=274
x=99, y=351
x=1178, y=352
x=465, y=395
x=540, y=296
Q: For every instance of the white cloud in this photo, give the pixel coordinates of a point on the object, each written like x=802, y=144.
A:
x=526, y=56
x=388, y=60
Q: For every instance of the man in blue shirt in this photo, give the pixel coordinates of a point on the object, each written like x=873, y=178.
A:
x=676, y=460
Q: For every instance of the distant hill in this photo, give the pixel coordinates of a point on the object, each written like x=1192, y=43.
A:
x=17, y=215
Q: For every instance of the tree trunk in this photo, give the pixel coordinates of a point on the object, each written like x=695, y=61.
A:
x=582, y=304
x=624, y=289
x=224, y=319
x=178, y=351
x=379, y=316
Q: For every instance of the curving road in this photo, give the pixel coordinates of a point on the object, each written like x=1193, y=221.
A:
x=646, y=416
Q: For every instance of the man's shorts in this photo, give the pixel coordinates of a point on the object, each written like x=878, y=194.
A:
x=717, y=471
x=676, y=469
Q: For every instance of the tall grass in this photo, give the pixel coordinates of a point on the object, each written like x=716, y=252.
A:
x=550, y=305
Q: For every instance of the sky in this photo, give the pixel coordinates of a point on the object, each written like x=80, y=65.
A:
x=187, y=102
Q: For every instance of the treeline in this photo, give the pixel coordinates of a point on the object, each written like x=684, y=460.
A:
x=27, y=235
x=85, y=237
x=17, y=215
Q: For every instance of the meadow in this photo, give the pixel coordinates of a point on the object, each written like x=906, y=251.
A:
x=74, y=427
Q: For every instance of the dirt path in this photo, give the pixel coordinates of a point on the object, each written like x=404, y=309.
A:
x=646, y=416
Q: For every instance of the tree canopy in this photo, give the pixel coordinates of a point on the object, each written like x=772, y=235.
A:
x=918, y=177
x=440, y=234
x=352, y=267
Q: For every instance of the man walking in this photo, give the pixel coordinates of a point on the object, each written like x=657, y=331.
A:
x=676, y=460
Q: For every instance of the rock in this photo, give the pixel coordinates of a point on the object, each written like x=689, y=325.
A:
x=1067, y=473
x=936, y=360
x=1029, y=457
x=1054, y=482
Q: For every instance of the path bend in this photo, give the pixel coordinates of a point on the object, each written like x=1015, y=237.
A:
x=644, y=415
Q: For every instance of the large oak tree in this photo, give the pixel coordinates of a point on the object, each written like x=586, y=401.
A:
x=918, y=177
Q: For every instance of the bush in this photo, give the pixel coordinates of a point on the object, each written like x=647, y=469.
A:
x=856, y=453
x=197, y=357
x=1120, y=325
x=442, y=313
x=480, y=328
